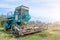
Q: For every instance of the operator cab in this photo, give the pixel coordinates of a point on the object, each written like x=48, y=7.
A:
x=22, y=13
x=22, y=10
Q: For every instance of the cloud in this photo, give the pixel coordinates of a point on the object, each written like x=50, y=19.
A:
x=49, y=9
x=9, y=3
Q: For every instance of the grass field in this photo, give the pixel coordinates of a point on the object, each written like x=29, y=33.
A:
x=36, y=36
x=44, y=35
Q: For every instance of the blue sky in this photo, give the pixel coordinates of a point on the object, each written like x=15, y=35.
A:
x=44, y=10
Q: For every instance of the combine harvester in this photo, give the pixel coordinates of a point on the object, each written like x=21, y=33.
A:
x=17, y=23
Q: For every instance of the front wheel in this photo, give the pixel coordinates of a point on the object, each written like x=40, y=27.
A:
x=15, y=31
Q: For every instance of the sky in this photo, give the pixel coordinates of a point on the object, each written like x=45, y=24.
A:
x=44, y=10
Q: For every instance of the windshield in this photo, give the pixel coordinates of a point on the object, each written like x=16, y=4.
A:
x=25, y=12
